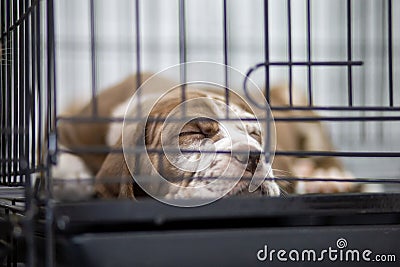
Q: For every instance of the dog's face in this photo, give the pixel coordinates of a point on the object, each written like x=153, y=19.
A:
x=204, y=156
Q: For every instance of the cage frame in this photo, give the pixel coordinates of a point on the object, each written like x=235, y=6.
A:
x=67, y=222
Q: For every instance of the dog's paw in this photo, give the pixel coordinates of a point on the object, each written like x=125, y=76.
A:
x=306, y=168
x=326, y=187
x=72, y=180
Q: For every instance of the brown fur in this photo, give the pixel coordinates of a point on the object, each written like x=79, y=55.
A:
x=93, y=134
x=293, y=136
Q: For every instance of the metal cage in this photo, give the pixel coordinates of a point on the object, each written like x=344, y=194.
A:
x=38, y=230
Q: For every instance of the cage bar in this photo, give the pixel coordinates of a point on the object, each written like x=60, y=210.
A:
x=349, y=54
x=93, y=55
x=390, y=53
x=309, y=57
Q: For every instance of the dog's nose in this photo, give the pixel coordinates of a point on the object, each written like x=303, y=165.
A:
x=250, y=159
x=254, y=158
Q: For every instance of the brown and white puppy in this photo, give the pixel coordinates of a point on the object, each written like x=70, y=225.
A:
x=113, y=174
x=193, y=170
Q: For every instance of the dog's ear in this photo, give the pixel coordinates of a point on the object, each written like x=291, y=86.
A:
x=114, y=178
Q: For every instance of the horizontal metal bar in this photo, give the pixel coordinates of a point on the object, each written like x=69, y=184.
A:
x=154, y=212
x=150, y=179
x=12, y=184
x=310, y=63
x=383, y=154
x=141, y=119
x=15, y=199
x=338, y=118
x=142, y=150
x=12, y=160
x=336, y=108
x=7, y=191
x=277, y=119
x=25, y=172
x=13, y=208
x=144, y=178
x=7, y=130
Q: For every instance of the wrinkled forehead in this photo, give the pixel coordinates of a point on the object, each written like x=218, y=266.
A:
x=238, y=113
x=194, y=102
x=199, y=107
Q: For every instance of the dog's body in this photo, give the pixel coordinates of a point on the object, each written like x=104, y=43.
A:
x=112, y=103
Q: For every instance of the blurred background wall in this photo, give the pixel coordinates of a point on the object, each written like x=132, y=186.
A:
x=159, y=36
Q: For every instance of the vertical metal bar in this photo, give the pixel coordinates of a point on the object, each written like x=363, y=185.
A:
x=382, y=7
x=138, y=48
x=8, y=237
x=226, y=59
x=21, y=98
x=26, y=97
x=267, y=146
x=15, y=95
x=34, y=43
x=289, y=13
x=52, y=137
x=266, y=51
x=8, y=139
x=138, y=57
x=309, y=76
x=49, y=217
x=349, y=55
x=390, y=53
x=363, y=9
x=93, y=58
x=51, y=70
x=13, y=240
x=3, y=93
x=2, y=26
x=38, y=90
x=30, y=113
x=182, y=51
x=38, y=78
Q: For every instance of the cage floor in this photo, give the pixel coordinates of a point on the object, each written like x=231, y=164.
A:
x=229, y=231
x=11, y=192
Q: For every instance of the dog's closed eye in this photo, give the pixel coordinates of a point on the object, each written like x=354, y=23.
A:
x=200, y=128
x=196, y=134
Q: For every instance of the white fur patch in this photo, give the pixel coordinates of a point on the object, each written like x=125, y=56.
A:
x=71, y=178
x=115, y=129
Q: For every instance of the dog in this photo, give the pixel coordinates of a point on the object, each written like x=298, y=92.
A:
x=114, y=171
